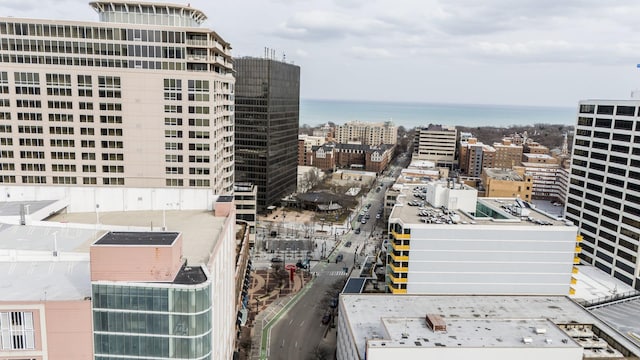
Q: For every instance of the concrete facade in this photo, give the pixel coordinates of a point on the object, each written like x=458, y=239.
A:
x=455, y=243
x=367, y=133
x=116, y=103
x=507, y=183
x=436, y=143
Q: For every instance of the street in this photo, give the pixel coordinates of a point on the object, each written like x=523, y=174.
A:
x=300, y=334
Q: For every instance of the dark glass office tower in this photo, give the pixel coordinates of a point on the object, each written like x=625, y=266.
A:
x=267, y=99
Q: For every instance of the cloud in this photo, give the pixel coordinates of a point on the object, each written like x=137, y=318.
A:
x=360, y=52
x=301, y=53
x=328, y=25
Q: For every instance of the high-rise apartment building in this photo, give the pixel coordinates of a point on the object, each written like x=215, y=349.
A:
x=143, y=98
x=367, y=133
x=604, y=188
x=507, y=154
x=436, y=143
x=267, y=121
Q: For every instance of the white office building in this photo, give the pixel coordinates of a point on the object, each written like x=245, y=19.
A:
x=446, y=240
x=415, y=327
x=436, y=143
x=604, y=187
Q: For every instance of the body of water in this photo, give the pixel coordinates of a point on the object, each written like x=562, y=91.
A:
x=409, y=115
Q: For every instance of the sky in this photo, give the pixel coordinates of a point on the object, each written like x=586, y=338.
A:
x=511, y=52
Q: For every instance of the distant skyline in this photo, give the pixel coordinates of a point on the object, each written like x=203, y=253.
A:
x=524, y=52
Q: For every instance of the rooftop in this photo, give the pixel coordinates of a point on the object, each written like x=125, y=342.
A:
x=13, y=208
x=200, y=228
x=412, y=207
x=138, y=238
x=503, y=174
x=475, y=332
x=510, y=318
x=44, y=280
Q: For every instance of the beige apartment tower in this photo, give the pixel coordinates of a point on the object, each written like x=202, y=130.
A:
x=143, y=98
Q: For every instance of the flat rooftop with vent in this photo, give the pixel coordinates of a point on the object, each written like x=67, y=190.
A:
x=443, y=239
x=376, y=327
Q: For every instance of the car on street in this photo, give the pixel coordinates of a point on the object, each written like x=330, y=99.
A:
x=339, y=258
x=358, y=231
x=276, y=260
x=364, y=221
x=326, y=318
x=348, y=244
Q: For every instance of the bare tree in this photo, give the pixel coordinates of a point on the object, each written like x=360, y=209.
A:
x=319, y=353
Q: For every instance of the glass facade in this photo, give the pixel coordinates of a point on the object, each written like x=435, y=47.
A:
x=152, y=322
x=267, y=121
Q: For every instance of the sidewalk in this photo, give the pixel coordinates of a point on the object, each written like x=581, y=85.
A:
x=268, y=300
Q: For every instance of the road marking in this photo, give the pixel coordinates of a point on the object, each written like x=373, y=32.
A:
x=302, y=323
x=333, y=273
x=290, y=321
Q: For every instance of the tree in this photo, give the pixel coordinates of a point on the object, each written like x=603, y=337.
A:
x=319, y=353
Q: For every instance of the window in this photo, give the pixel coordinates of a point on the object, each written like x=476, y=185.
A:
x=86, y=118
x=172, y=146
x=111, y=132
x=113, y=181
x=63, y=180
x=111, y=119
x=199, y=147
x=17, y=331
x=112, y=169
x=173, y=170
x=110, y=107
x=172, y=134
x=63, y=167
x=112, y=144
x=198, y=134
x=199, y=182
x=62, y=143
x=174, y=182
x=172, y=89
x=173, y=158
x=60, y=155
x=198, y=122
x=87, y=143
x=113, y=156
x=172, y=121
x=198, y=159
x=34, y=180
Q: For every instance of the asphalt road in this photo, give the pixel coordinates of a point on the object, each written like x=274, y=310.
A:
x=300, y=331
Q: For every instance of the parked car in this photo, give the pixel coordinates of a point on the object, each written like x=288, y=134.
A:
x=348, y=244
x=358, y=231
x=276, y=260
x=339, y=258
x=326, y=318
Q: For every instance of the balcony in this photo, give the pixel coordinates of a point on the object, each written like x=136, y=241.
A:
x=398, y=269
x=400, y=236
x=397, y=258
x=399, y=247
x=198, y=58
x=197, y=42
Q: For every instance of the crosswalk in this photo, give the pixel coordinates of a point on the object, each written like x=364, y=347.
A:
x=332, y=273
